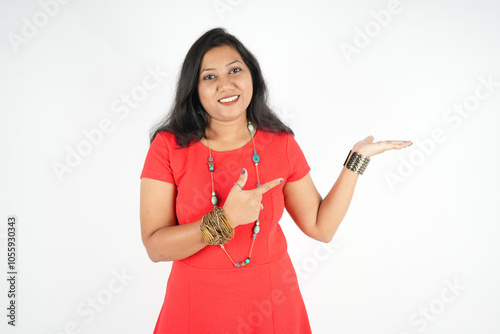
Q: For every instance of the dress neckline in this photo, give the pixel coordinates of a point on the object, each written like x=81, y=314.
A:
x=249, y=143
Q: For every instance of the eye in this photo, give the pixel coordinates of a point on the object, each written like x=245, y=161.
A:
x=209, y=77
x=235, y=70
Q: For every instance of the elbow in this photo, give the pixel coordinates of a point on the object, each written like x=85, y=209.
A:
x=156, y=257
x=326, y=233
x=153, y=250
x=153, y=256
x=320, y=235
x=325, y=238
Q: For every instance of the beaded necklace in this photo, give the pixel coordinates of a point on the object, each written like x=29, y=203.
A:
x=211, y=167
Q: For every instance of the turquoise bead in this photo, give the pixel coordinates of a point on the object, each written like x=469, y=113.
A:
x=256, y=229
x=211, y=168
x=250, y=127
x=214, y=200
x=256, y=158
x=247, y=260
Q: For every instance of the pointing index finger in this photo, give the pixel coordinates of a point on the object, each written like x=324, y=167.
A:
x=269, y=185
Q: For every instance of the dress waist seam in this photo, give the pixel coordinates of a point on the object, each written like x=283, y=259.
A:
x=234, y=268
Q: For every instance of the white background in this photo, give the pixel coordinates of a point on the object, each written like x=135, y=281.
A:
x=402, y=243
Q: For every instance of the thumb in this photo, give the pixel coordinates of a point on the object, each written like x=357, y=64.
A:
x=243, y=178
x=369, y=139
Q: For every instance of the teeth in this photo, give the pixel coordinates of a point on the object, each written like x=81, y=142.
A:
x=229, y=99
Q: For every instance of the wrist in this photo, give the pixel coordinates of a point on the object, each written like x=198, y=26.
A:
x=215, y=228
x=360, y=151
x=229, y=217
x=356, y=162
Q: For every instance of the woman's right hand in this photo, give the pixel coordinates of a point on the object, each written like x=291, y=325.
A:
x=243, y=206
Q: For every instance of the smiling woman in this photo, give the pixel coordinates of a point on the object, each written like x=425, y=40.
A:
x=231, y=271
x=225, y=88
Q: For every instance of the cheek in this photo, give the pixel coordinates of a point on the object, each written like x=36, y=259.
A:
x=247, y=85
x=203, y=93
x=250, y=87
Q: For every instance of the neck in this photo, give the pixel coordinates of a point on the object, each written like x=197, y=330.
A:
x=224, y=132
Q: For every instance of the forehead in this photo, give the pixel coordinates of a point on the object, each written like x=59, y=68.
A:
x=219, y=56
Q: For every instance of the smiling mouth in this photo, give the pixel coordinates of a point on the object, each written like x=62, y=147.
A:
x=229, y=99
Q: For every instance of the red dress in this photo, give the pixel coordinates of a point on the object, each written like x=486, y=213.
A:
x=205, y=292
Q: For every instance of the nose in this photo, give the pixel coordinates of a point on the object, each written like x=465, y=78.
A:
x=225, y=83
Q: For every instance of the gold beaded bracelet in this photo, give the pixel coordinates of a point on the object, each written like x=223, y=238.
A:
x=357, y=163
x=215, y=228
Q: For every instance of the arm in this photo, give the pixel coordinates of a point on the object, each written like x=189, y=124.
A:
x=320, y=218
x=163, y=238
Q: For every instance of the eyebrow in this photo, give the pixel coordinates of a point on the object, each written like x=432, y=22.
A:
x=228, y=64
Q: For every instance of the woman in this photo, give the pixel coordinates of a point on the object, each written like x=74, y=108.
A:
x=220, y=170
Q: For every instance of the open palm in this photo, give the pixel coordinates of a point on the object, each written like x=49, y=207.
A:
x=368, y=148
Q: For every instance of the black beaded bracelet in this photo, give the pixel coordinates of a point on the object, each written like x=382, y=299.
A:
x=357, y=163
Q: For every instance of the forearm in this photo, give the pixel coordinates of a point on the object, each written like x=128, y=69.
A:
x=320, y=218
x=175, y=242
x=333, y=207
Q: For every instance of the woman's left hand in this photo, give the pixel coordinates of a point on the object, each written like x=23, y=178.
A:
x=368, y=148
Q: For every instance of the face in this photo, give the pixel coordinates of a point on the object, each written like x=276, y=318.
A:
x=225, y=84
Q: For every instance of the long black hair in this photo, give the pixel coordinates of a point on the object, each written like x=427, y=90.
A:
x=187, y=119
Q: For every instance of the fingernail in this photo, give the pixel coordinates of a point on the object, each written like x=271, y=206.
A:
x=243, y=171
x=281, y=181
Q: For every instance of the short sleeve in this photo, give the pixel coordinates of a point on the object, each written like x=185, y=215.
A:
x=296, y=159
x=157, y=163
